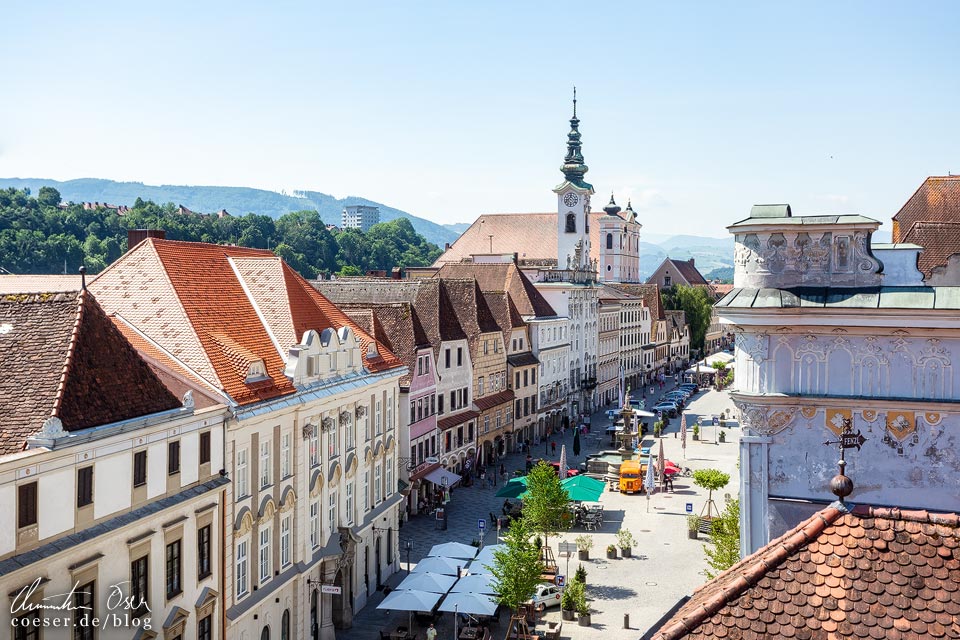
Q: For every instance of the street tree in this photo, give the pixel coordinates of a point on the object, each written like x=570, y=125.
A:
x=725, y=539
x=711, y=480
x=696, y=304
x=545, y=504
x=516, y=567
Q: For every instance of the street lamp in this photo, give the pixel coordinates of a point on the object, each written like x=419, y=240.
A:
x=408, y=547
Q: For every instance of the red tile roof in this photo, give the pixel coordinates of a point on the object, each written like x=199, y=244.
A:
x=532, y=236
x=494, y=400
x=220, y=308
x=503, y=276
x=398, y=326
x=460, y=418
x=649, y=292
x=62, y=357
x=936, y=200
x=940, y=241
x=719, y=290
x=871, y=573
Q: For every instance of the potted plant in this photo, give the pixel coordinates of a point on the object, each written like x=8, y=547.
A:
x=723, y=434
x=611, y=552
x=584, y=544
x=582, y=607
x=568, y=601
x=693, y=523
x=581, y=574
x=696, y=432
x=626, y=542
x=657, y=428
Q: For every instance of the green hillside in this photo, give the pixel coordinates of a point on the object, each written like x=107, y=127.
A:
x=236, y=200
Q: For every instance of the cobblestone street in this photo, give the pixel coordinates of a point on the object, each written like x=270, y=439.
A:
x=666, y=565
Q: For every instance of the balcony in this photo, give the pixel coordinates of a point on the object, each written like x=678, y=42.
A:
x=588, y=383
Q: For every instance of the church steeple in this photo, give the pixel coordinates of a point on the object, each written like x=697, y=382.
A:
x=573, y=167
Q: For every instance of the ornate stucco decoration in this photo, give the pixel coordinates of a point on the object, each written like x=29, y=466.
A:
x=809, y=412
x=360, y=411
x=188, y=402
x=901, y=424
x=326, y=424
x=870, y=415
x=932, y=418
x=52, y=428
x=764, y=420
x=345, y=417
x=834, y=419
x=308, y=430
x=245, y=525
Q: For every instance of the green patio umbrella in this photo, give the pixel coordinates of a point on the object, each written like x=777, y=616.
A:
x=515, y=488
x=583, y=488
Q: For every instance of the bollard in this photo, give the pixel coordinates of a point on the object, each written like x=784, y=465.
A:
x=626, y=621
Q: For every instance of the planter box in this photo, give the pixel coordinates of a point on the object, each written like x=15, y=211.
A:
x=611, y=555
x=566, y=614
x=626, y=552
x=584, y=620
x=692, y=534
x=583, y=554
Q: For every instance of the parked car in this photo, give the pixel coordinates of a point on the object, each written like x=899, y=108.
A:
x=669, y=408
x=556, y=467
x=546, y=595
x=677, y=398
x=638, y=404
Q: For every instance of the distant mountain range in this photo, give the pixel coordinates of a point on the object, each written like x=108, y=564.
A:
x=709, y=253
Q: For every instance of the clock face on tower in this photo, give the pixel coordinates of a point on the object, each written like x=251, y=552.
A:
x=571, y=199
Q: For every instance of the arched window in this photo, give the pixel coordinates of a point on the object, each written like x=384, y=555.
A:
x=265, y=634
x=285, y=625
x=571, y=223
x=609, y=241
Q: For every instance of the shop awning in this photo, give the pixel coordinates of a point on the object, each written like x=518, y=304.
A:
x=437, y=475
x=451, y=421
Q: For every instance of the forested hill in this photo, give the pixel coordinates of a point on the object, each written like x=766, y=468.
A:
x=42, y=235
x=236, y=200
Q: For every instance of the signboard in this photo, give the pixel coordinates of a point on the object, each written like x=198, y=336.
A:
x=567, y=548
x=431, y=460
x=329, y=588
x=851, y=440
x=481, y=524
x=716, y=421
x=689, y=507
x=560, y=580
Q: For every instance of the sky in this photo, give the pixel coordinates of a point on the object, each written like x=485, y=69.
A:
x=448, y=110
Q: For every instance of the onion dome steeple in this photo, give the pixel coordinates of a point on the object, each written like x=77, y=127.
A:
x=611, y=209
x=631, y=214
x=573, y=167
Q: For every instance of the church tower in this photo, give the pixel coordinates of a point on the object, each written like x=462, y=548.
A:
x=573, y=203
x=619, y=244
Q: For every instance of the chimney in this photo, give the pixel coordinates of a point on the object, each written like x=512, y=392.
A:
x=446, y=246
x=516, y=258
x=136, y=236
x=691, y=262
x=395, y=273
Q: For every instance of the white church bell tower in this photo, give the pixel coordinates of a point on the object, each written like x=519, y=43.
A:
x=573, y=204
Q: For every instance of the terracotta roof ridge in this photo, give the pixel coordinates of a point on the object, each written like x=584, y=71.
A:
x=917, y=515
x=71, y=349
x=198, y=379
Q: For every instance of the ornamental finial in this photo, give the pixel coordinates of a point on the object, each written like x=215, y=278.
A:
x=574, y=101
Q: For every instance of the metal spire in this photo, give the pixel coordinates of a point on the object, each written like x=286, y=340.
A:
x=573, y=166
x=574, y=101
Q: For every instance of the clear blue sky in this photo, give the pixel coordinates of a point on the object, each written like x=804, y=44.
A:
x=448, y=110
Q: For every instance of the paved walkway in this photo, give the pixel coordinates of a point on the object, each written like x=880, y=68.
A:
x=666, y=564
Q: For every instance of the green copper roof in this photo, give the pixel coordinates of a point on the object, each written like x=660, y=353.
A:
x=573, y=167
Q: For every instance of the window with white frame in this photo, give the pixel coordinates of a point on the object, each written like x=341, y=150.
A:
x=243, y=486
x=266, y=472
x=377, y=484
x=389, y=489
x=378, y=419
x=349, y=433
x=285, y=523
x=264, y=554
x=333, y=443
x=332, y=512
x=286, y=455
x=241, y=568
x=315, y=446
x=349, y=504
x=366, y=491
x=390, y=415
x=315, y=524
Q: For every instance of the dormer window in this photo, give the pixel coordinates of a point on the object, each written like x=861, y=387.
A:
x=256, y=371
x=372, y=350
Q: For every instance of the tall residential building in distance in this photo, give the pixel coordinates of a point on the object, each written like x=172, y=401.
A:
x=360, y=216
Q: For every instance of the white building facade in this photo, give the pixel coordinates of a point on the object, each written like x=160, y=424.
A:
x=833, y=332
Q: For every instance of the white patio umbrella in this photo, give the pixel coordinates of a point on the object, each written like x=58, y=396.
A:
x=474, y=583
x=453, y=550
x=563, y=462
x=426, y=581
x=485, y=557
x=436, y=564
x=475, y=603
x=410, y=601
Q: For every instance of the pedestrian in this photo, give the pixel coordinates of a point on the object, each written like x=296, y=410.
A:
x=553, y=447
x=431, y=633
